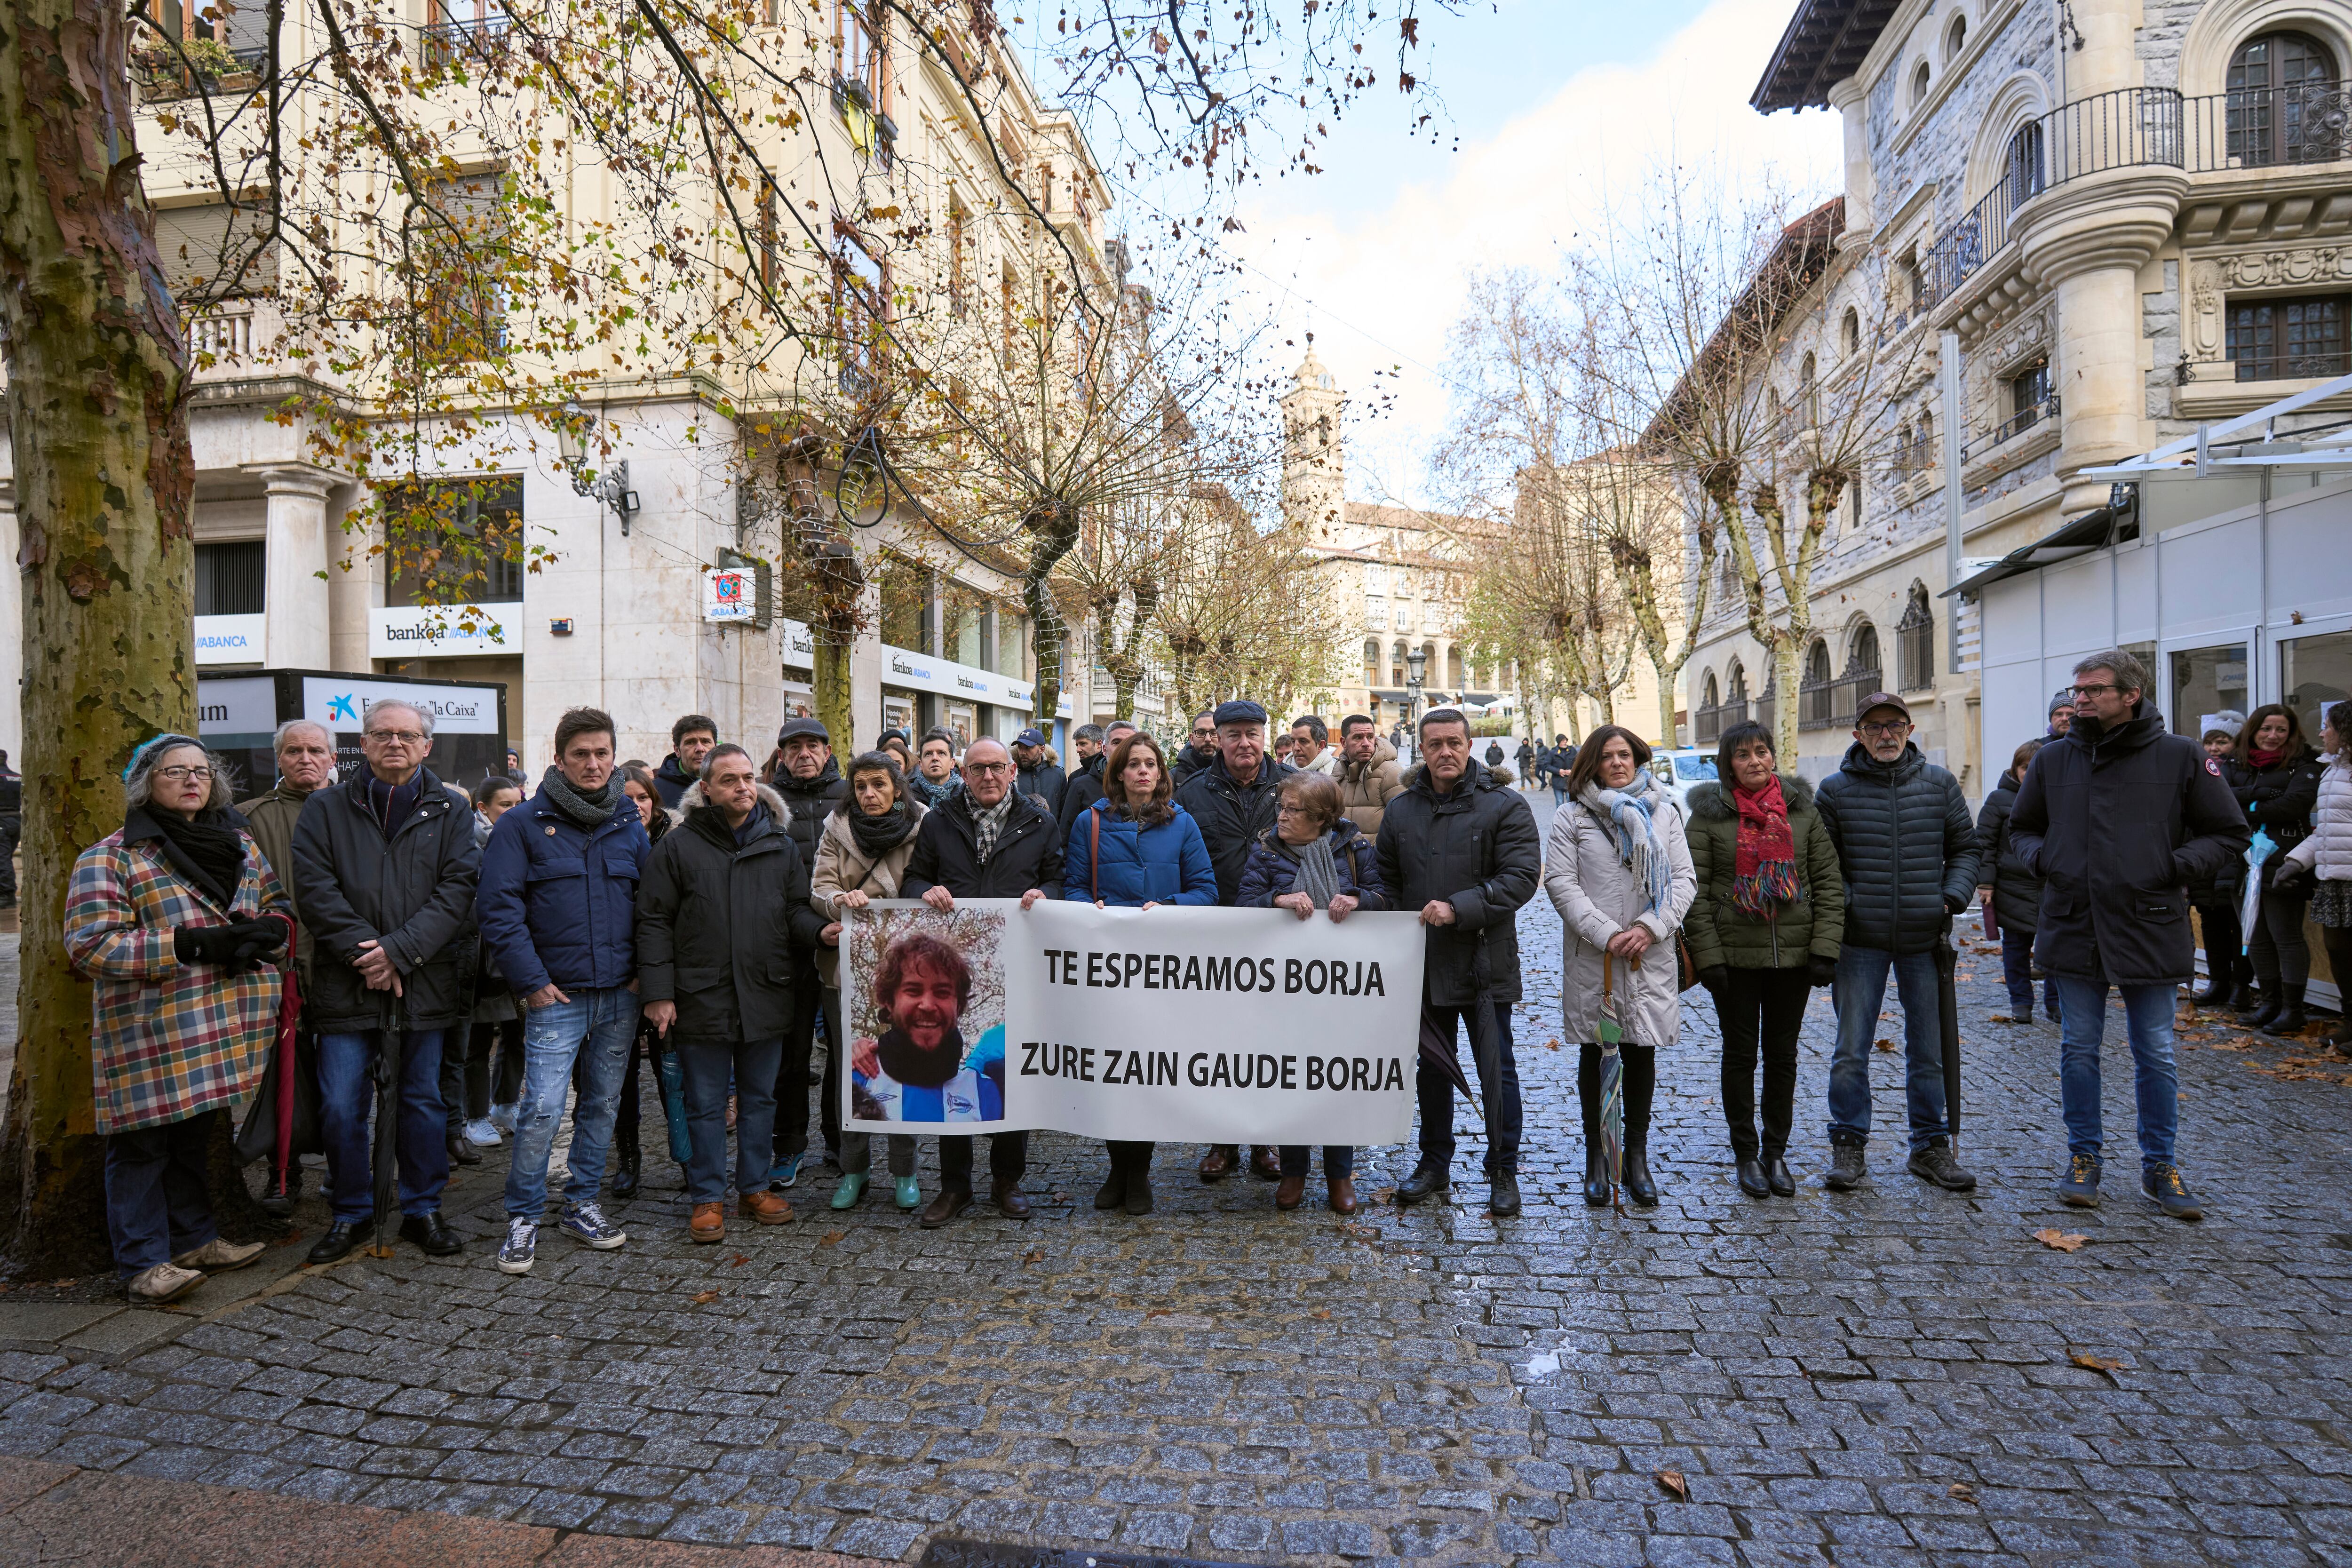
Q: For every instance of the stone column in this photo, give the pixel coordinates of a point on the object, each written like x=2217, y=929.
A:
x=350, y=596
x=296, y=597
x=1850, y=98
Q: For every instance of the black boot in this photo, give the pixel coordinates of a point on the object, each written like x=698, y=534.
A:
x=1112, y=1193
x=1639, y=1185
x=2244, y=998
x=2273, y=1001
x=625, y=1171
x=1597, y=1191
x=2290, y=1019
x=1751, y=1178
x=2215, y=993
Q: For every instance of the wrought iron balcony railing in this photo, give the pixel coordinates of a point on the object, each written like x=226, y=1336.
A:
x=2267, y=127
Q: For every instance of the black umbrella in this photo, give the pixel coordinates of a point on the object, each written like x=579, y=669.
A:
x=1437, y=1050
x=1948, y=1000
x=392, y=1044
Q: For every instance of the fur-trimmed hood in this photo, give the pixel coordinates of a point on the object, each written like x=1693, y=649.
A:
x=691, y=802
x=1710, y=801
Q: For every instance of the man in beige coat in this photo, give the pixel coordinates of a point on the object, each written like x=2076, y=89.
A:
x=1369, y=776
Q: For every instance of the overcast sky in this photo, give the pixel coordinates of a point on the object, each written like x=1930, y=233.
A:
x=1555, y=104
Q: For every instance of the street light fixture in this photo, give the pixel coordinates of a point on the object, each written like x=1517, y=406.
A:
x=572, y=437
x=1416, y=666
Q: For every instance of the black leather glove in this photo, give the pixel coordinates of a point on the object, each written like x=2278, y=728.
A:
x=1821, y=970
x=2294, y=882
x=240, y=942
x=1714, y=976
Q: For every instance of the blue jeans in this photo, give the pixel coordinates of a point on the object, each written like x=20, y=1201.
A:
x=707, y=1064
x=2016, y=969
x=1860, y=992
x=2148, y=1022
x=347, y=1096
x=1435, y=1092
x=157, y=1205
x=597, y=1027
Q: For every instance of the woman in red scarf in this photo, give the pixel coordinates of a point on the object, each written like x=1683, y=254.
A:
x=1763, y=932
x=2277, y=782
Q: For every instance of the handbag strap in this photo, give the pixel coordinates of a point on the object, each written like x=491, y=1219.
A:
x=1094, y=854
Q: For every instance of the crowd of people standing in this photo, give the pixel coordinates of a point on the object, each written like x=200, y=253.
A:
x=519, y=954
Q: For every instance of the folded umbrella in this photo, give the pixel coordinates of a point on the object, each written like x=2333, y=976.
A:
x=391, y=1043
x=1613, y=1084
x=1947, y=1009
x=1437, y=1050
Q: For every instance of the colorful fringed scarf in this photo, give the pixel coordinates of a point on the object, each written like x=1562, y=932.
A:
x=1765, y=869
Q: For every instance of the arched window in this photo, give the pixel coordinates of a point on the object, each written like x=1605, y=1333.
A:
x=1736, y=684
x=1711, y=698
x=1920, y=81
x=1817, y=690
x=1915, y=643
x=1707, y=725
x=1323, y=429
x=2283, y=105
x=1850, y=333
x=2021, y=163
x=1956, y=38
x=1862, y=653
x=1371, y=663
x=1808, y=399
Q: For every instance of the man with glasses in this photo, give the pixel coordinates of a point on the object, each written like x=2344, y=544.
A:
x=989, y=841
x=384, y=871
x=1199, y=750
x=1908, y=847
x=2118, y=818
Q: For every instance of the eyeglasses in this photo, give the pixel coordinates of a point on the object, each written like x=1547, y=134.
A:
x=404, y=737
x=177, y=774
x=2085, y=693
x=989, y=768
x=1893, y=731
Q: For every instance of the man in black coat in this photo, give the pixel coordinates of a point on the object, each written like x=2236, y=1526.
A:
x=1460, y=847
x=1908, y=847
x=690, y=741
x=989, y=841
x=1086, y=786
x=1233, y=801
x=811, y=783
x=723, y=904
x=385, y=867
x=1038, y=776
x=2116, y=819
x=1199, y=750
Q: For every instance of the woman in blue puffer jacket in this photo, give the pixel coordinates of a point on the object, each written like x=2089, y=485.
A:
x=1138, y=850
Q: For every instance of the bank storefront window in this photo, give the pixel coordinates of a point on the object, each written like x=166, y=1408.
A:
x=2206, y=680
x=2314, y=671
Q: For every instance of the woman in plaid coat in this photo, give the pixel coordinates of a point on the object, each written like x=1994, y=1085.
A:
x=174, y=919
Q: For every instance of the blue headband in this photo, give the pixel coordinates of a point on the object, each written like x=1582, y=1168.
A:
x=150, y=748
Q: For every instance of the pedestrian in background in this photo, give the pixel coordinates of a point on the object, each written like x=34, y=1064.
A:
x=1618, y=868
x=1086, y=786
x=988, y=842
x=174, y=917
x=1314, y=858
x=863, y=855
x=1907, y=849
x=1200, y=747
x=810, y=781
x=1563, y=762
x=1527, y=760
x=2015, y=890
x=722, y=902
x=493, y=1083
x=935, y=777
x=1461, y=850
x=1039, y=773
x=1764, y=929
x=2322, y=861
x=558, y=913
x=305, y=753
x=2114, y=820
x=2062, y=712
x=1370, y=774
x=1135, y=848
x=690, y=740
x=2277, y=785
x=1310, y=746
x=384, y=870
x=2217, y=898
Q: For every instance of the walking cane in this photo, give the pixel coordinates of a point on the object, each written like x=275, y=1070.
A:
x=1947, y=1007
x=391, y=1045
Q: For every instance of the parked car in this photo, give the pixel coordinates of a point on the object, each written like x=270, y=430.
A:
x=1679, y=769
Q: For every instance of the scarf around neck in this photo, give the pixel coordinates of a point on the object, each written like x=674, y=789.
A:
x=934, y=794
x=1764, y=868
x=588, y=809
x=1631, y=815
x=1318, y=873
x=878, y=835
x=208, y=851
x=2261, y=758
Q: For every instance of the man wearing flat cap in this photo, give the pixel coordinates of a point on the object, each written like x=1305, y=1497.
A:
x=1233, y=800
x=811, y=783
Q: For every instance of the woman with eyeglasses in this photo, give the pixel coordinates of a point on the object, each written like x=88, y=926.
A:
x=1135, y=849
x=178, y=920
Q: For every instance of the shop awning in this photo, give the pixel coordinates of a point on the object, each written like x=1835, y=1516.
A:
x=2092, y=531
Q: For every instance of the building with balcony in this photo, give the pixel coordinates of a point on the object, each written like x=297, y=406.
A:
x=2128, y=215
x=580, y=600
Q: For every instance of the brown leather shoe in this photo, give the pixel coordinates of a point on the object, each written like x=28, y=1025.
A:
x=767, y=1207
x=943, y=1208
x=1222, y=1161
x=1265, y=1163
x=1343, y=1195
x=1291, y=1193
x=708, y=1222
x=1010, y=1199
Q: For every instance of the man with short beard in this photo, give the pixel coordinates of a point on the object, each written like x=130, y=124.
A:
x=810, y=783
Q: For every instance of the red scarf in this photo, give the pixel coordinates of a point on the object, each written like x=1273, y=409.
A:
x=2261, y=758
x=1765, y=868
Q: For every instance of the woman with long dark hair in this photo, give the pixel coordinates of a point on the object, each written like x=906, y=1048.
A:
x=2276, y=780
x=1135, y=849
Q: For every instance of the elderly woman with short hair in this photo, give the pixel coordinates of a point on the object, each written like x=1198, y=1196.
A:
x=176, y=918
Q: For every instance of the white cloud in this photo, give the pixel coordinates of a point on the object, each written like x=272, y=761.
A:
x=1380, y=289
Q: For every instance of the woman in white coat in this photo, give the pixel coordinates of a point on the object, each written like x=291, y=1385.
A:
x=1618, y=868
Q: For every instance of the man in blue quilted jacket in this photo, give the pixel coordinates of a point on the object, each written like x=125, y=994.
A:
x=1908, y=847
x=557, y=908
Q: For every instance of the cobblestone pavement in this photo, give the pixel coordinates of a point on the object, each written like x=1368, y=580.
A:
x=1896, y=1375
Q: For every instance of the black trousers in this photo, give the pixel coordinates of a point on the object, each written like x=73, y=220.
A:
x=1760, y=1011
x=2225, y=944
x=1641, y=1087
x=469, y=1058
x=2277, y=947
x=1132, y=1159
x=791, y=1073
x=1008, y=1159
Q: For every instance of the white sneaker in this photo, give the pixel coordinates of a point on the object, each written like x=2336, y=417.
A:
x=164, y=1282
x=485, y=1132
x=220, y=1254
x=520, y=1249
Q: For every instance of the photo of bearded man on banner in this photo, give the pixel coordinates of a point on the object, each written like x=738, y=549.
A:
x=921, y=1067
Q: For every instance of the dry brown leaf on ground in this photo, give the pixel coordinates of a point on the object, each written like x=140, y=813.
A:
x=706, y=1296
x=2086, y=1360
x=1884, y=1043
x=831, y=1238
x=1673, y=1481
x=2060, y=1242
x=1962, y=1490
x=738, y=1261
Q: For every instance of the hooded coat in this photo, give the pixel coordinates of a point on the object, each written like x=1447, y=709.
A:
x=671, y=782
x=719, y=921
x=1597, y=897
x=842, y=868
x=1366, y=788
x=1476, y=847
x=2016, y=890
x=1043, y=781
x=1907, y=848
x=2115, y=821
x=1811, y=926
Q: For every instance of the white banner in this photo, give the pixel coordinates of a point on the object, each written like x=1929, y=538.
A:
x=1176, y=1025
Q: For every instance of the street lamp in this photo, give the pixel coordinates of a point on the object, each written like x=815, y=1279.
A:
x=1416, y=666
x=610, y=488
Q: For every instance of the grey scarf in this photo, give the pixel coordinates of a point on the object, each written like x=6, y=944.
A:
x=1318, y=875
x=590, y=809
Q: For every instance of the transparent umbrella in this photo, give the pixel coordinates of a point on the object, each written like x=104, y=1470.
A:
x=1613, y=1084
